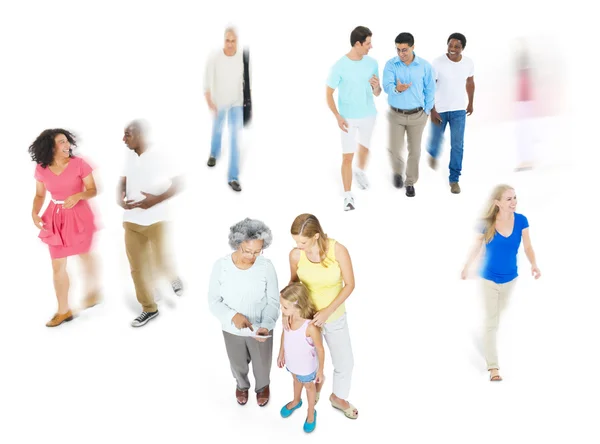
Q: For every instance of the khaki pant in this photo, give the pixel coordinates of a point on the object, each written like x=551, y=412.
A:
x=148, y=259
x=496, y=297
x=412, y=125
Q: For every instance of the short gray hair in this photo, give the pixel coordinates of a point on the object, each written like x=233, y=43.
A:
x=248, y=230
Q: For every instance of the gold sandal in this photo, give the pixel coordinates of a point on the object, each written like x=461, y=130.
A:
x=349, y=412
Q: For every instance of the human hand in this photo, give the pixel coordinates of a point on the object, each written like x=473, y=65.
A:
x=71, y=201
x=213, y=108
x=320, y=378
x=261, y=331
x=342, y=124
x=464, y=273
x=401, y=87
x=535, y=272
x=281, y=359
x=435, y=117
x=38, y=222
x=469, y=109
x=125, y=204
x=149, y=201
x=240, y=321
x=321, y=317
x=374, y=81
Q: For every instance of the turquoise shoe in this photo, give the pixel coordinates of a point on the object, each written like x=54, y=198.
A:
x=310, y=426
x=285, y=412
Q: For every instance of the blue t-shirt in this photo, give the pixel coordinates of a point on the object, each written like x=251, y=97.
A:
x=500, y=263
x=355, y=95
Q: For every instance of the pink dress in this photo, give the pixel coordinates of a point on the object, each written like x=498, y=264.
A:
x=68, y=232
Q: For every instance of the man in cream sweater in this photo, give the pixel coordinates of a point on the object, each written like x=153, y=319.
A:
x=224, y=93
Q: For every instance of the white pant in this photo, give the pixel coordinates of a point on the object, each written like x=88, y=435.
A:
x=337, y=336
x=364, y=127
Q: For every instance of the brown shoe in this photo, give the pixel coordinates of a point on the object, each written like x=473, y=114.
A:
x=432, y=162
x=91, y=300
x=454, y=188
x=59, y=319
x=262, y=397
x=241, y=396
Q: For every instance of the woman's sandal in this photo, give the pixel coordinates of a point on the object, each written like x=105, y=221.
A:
x=349, y=412
x=495, y=378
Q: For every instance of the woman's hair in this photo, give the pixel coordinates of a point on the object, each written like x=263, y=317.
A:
x=247, y=230
x=297, y=293
x=307, y=225
x=489, y=218
x=42, y=149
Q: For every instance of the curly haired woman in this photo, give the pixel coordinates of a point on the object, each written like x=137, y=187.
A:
x=67, y=225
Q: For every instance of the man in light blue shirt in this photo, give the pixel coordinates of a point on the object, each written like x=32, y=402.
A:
x=409, y=82
x=356, y=76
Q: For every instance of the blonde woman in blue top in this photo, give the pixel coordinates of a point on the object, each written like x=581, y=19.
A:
x=501, y=234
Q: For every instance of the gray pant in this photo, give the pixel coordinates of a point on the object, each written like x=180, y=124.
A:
x=241, y=351
x=412, y=125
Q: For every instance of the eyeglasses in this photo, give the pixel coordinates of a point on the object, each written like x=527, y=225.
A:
x=251, y=253
x=402, y=50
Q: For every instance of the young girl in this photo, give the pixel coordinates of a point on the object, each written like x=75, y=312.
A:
x=301, y=351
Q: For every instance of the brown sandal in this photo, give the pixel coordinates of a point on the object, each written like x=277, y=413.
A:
x=262, y=397
x=241, y=396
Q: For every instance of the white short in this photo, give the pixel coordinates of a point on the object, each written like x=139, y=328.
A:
x=364, y=128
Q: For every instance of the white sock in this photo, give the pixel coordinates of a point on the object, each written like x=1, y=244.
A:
x=348, y=194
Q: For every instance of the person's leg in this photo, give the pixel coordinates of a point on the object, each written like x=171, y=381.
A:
x=311, y=396
x=436, y=138
x=397, y=129
x=347, y=171
x=457, y=135
x=235, y=121
x=349, y=142
x=61, y=288
x=297, y=394
x=239, y=358
x=136, y=246
x=162, y=257
x=337, y=336
x=414, y=132
x=261, y=356
x=92, y=285
x=365, y=134
x=217, y=134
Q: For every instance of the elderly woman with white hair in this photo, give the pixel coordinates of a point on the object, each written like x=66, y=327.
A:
x=243, y=294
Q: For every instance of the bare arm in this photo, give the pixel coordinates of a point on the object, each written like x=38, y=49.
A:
x=294, y=259
x=470, y=93
x=529, y=249
x=343, y=258
x=331, y=103
x=39, y=199
x=474, y=253
x=90, y=187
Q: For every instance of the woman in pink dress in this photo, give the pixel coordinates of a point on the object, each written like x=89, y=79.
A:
x=67, y=225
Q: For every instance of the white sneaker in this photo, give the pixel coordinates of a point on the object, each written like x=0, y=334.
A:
x=348, y=203
x=361, y=179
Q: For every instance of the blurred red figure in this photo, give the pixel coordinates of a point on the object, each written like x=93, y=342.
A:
x=68, y=224
x=524, y=111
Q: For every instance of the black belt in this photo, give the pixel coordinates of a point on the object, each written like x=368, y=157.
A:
x=408, y=111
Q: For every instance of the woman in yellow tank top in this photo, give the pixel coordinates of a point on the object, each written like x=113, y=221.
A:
x=324, y=266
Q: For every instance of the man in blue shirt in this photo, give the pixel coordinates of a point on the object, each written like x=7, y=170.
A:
x=409, y=82
x=356, y=76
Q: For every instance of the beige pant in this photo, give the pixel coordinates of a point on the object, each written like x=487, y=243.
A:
x=496, y=297
x=148, y=259
x=412, y=125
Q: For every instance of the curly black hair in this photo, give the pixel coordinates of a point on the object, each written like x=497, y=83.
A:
x=42, y=149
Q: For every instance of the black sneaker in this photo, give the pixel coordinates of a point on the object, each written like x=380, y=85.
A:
x=398, y=182
x=211, y=161
x=177, y=287
x=144, y=318
x=235, y=185
x=410, y=191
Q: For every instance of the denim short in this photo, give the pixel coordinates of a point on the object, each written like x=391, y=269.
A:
x=307, y=378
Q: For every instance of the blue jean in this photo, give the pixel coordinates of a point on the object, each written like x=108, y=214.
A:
x=305, y=378
x=457, y=120
x=235, y=116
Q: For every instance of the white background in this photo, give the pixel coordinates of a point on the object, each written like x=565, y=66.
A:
x=418, y=378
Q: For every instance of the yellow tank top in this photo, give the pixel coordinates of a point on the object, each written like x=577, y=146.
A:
x=323, y=283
